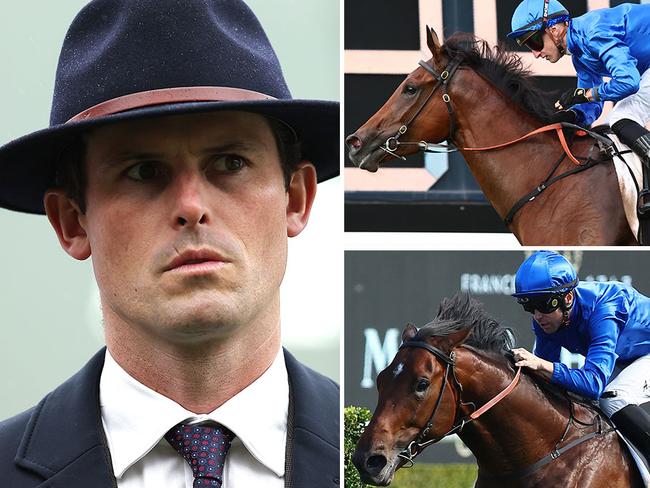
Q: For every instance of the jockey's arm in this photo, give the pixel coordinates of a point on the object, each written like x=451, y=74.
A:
x=622, y=67
x=588, y=112
x=590, y=380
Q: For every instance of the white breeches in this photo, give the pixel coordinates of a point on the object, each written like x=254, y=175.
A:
x=636, y=107
x=631, y=384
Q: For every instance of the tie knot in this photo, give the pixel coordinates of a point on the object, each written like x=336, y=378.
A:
x=204, y=447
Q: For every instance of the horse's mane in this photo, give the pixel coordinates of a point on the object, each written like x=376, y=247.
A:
x=463, y=312
x=504, y=69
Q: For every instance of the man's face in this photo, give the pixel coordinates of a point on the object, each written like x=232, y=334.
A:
x=551, y=318
x=549, y=322
x=187, y=220
x=549, y=50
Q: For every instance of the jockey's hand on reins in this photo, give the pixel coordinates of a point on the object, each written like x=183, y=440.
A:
x=572, y=97
x=564, y=116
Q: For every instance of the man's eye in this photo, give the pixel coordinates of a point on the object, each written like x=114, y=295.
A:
x=228, y=163
x=147, y=170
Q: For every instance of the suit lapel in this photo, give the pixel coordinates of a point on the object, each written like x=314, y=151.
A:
x=312, y=458
x=64, y=439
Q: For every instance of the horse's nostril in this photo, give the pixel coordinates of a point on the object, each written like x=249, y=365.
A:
x=376, y=463
x=353, y=142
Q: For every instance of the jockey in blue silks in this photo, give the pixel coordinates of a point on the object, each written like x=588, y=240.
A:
x=611, y=42
x=607, y=322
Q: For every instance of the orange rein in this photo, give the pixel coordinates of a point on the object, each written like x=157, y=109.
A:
x=477, y=413
x=556, y=127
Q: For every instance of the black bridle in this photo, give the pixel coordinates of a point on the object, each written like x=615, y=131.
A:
x=416, y=446
x=442, y=79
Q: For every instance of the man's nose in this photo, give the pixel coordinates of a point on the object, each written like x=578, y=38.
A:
x=190, y=204
x=537, y=54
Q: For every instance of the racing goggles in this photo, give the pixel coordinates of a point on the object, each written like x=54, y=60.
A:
x=543, y=304
x=533, y=40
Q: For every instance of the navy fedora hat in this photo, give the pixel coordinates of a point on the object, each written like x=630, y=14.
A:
x=133, y=59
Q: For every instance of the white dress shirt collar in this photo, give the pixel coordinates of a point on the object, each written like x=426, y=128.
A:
x=136, y=417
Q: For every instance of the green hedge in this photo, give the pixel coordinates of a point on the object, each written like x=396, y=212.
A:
x=355, y=420
x=420, y=475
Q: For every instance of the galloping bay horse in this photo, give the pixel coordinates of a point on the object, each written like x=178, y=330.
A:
x=477, y=97
x=454, y=376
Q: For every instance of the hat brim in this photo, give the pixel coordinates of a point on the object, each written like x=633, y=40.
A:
x=521, y=32
x=28, y=164
x=531, y=293
x=541, y=292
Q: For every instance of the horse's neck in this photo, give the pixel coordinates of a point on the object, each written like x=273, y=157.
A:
x=520, y=429
x=486, y=117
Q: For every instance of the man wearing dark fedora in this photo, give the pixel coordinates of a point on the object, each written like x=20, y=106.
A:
x=178, y=160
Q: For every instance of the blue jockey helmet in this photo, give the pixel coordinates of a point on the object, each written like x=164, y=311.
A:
x=530, y=16
x=545, y=273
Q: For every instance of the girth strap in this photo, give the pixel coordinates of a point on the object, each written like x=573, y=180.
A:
x=552, y=456
x=529, y=197
x=555, y=454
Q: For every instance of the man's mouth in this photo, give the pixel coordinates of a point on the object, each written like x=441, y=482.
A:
x=196, y=260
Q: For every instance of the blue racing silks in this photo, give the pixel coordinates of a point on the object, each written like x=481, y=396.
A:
x=611, y=42
x=608, y=323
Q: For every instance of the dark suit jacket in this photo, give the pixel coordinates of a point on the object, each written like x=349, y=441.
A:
x=60, y=443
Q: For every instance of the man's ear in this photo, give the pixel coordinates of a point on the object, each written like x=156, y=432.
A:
x=568, y=298
x=68, y=222
x=556, y=29
x=300, y=197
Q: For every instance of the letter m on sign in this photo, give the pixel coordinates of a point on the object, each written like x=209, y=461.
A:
x=377, y=354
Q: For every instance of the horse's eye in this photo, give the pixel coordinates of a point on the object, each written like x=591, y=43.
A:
x=422, y=386
x=410, y=90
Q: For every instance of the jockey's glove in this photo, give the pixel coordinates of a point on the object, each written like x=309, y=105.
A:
x=564, y=116
x=571, y=97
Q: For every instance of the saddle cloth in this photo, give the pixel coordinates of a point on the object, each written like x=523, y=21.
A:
x=626, y=184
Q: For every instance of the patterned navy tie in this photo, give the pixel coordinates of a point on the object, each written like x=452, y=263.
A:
x=204, y=447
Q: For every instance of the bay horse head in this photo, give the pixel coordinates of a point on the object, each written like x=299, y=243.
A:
x=417, y=403
x=420, y=105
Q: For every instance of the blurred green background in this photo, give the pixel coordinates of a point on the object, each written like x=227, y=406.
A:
x=49, y=304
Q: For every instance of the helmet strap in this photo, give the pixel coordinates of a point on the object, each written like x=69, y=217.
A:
x=557, y=41
x=565, y=318
x=566, y=309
